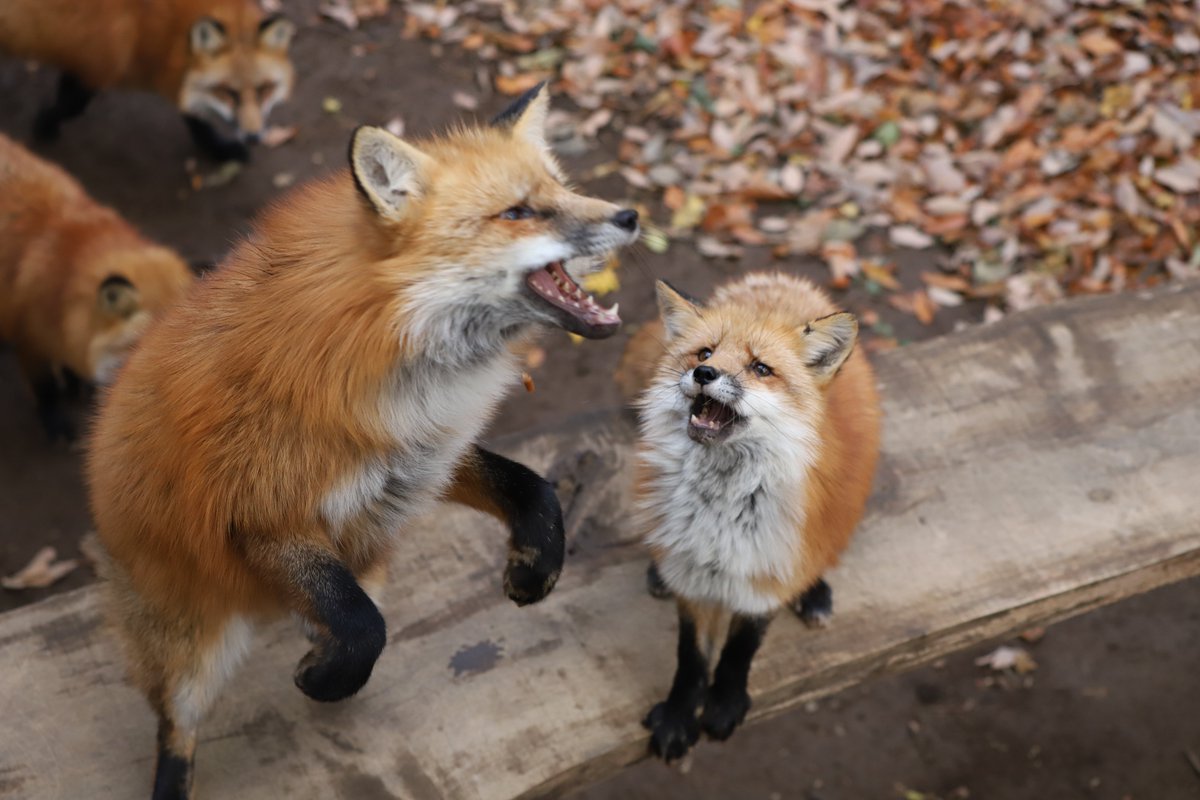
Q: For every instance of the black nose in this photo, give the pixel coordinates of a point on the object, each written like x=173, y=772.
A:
x=704, y=374
x=252, y=138
x=626, y=219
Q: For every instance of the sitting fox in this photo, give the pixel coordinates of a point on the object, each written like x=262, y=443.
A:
x=264, y=448
x=78, y=285
x=759, y=436
x=223, y=63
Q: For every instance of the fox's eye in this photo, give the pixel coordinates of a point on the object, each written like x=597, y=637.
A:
x=516, y=213
x=762, y=370
x=229, y=93
x=705, y=353
x=265, y=89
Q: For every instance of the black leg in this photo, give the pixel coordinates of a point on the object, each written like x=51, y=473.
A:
x=672, y=723
x=212, y=143
x=815, y=606
x=655, y=585
x=173, y=772
x=69, y=102
x=728, y=701
x=527, y=503
x=349, y=630
x=51, y=410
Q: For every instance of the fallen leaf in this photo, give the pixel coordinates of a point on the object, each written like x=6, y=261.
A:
x=41, y=571
x=276, y=135
x=465, y=100
x=534, y=357
x=527, y=382
x=340, y=12
x=908, y=236
x=655, y=239
x=1008, y=657
x=603, y=282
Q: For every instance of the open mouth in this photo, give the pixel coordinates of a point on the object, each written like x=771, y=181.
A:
x=711, y=421
x=573, y=309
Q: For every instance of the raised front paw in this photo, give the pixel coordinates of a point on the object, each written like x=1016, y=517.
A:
x=724, y=712
x=673, y=731
x=530, y=575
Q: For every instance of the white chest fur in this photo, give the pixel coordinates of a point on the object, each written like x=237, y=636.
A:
x=721, y=515
x=433, y=414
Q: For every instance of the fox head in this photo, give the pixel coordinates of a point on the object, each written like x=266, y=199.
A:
x=138, y=284
x=499, y=235
x=735, y=371
x=238, y=70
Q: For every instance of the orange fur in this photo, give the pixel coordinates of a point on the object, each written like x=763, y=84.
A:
x=57, y=246
x=240, y=466
x=136, y=44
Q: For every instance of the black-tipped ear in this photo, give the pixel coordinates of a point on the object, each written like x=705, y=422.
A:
x=526, y=117
x=117, y=297
x=275, y=32
x=207, y=36
x=828, y=342
x=387, y=170
x=675, y=309
x=509, y=116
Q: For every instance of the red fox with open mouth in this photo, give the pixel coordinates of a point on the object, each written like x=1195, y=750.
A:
x=760, y=432
x=273, y=434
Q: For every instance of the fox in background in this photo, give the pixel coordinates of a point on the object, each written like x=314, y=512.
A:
x=223, y=63
x=78, y=285
x=267, y=443
x=759, y=437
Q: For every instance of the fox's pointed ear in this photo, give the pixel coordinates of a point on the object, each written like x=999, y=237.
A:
x=674, y=308
x=275, y=32
x=117, y=297
x=828, y=342
x=387, y=170
x=207, y=36
x=526, y=117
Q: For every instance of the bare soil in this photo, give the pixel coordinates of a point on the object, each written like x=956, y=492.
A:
x=1110, y=712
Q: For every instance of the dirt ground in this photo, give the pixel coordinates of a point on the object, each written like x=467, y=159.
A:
x=1110, y=712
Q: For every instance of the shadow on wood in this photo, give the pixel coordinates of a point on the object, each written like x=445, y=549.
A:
x=1033, y=469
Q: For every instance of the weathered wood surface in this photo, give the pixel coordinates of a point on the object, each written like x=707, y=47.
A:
x=1033, y=469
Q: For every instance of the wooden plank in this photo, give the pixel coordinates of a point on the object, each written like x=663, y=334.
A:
x=1033, y=469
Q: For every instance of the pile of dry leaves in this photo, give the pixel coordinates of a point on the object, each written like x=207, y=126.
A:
x=1050, y=147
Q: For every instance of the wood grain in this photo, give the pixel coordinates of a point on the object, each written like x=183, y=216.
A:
x=1033, y=469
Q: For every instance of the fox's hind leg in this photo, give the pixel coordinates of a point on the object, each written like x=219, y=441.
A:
x=346, y=628
x=181, y=668
x=815, y=606
x=70, y=101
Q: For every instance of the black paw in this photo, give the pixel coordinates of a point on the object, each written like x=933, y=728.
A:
x=47, y=125
x=530, y=575
x=329, y=674
x=672, y=732
x=655, y=585
x=815, y=606
x=723, y=713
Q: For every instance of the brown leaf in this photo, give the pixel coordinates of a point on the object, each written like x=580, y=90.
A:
x=516, y=84
x=42, y=570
